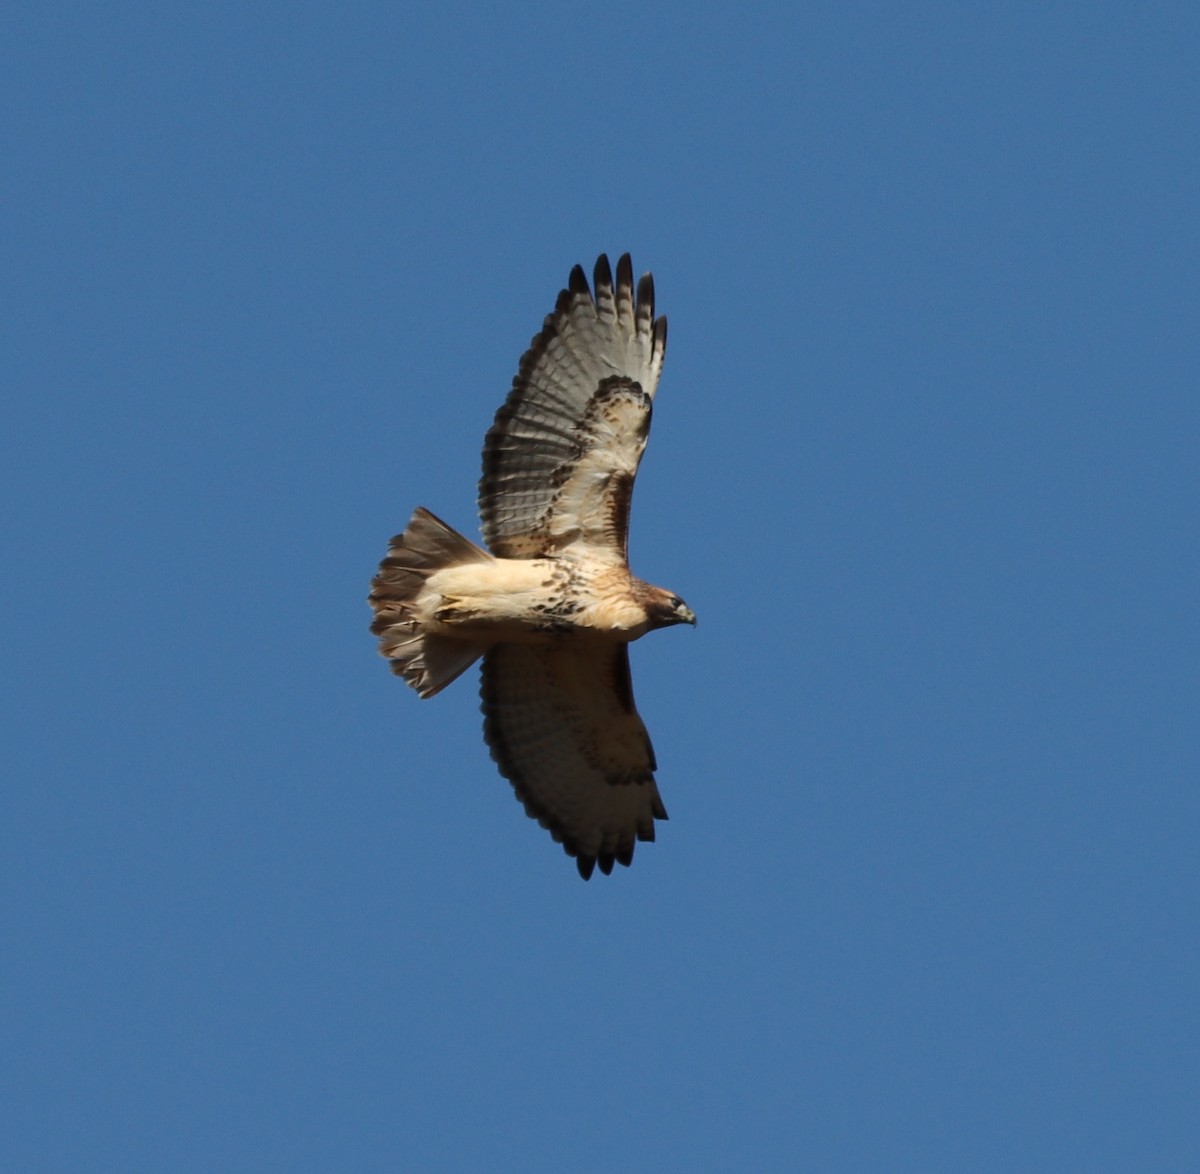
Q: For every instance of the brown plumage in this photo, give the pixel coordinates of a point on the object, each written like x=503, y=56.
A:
x=553, y=607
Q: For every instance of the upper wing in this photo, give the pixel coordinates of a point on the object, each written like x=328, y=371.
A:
x=561, y=724
x=560, y=458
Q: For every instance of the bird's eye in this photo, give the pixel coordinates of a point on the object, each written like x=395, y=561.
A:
x=676, y=602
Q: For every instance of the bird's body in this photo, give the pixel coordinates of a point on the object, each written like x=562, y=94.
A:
x=553, y=606
x=534, y=601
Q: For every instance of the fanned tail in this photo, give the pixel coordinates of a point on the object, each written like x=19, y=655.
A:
x=427, y=662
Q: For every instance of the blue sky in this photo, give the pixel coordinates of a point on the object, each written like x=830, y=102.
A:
x=924, y=462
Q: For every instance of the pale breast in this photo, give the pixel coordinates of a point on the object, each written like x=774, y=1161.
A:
x=531, y=600
x=611, y=604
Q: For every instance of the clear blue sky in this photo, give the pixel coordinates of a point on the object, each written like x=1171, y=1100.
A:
x=924, y=462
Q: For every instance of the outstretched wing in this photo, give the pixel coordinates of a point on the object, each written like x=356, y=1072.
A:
x=562, y=726
x=560, y=458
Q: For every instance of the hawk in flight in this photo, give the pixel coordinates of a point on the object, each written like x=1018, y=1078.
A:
x=553, y=607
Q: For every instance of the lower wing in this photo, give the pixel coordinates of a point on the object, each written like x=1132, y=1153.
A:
x=563, y=728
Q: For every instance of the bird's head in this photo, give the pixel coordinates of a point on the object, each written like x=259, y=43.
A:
x=666, y=609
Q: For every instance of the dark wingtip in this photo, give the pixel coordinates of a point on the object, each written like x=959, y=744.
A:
x=602, y=274
x=625, y=271
x=562, y=307
x=585, y=864
x=645, y=293
x=577, y=282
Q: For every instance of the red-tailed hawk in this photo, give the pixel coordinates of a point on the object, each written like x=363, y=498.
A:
x=552, y=609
